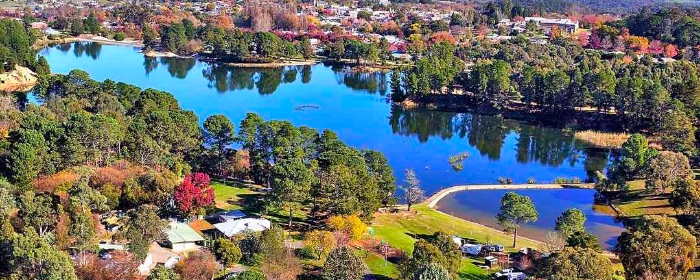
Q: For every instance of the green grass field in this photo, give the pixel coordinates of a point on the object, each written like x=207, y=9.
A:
x=638, y=202
x=230, y=196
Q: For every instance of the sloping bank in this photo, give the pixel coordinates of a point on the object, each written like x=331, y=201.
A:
x=19, y=79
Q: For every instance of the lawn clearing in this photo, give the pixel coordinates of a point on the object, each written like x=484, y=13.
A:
x=230, y=196
x=399, y=229
x=638, y=202
x=380, y=268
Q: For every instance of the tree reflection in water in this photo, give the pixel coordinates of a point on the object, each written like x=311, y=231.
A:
x=91, y=49
x=371, y=82
x=547, y=146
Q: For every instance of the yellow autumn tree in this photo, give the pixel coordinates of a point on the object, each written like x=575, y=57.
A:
x=350, y=225
x=321, y=242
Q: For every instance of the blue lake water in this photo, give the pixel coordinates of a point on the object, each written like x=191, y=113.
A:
x=356, y=107
x=481, y=206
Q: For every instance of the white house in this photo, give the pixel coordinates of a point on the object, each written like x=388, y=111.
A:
x=181, y=237
x=233, y=227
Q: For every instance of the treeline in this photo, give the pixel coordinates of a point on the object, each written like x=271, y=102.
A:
x=558, y=78
x=358, y=51
x=16, y=45
x=672, y=25
x=84, y=122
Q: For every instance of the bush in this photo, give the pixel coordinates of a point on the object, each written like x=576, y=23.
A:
x=305, y=253
x=530, y=180
x=560, y=180
x=228, y=252
x=505, y=181
x=250, y=275
x=119, y=36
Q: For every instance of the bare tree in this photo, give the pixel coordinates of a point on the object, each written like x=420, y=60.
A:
x=412, y=191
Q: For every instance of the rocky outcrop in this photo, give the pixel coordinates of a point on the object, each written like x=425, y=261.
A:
x=19, y=79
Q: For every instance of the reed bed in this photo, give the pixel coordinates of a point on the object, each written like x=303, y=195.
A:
x=608, y=140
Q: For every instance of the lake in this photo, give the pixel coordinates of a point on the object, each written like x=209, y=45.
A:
x=481, y=206
x=356, y=107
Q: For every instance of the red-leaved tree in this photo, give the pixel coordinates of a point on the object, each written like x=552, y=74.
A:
x=194, y=194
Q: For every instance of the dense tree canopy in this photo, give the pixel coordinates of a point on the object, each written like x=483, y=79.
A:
x=656, y=247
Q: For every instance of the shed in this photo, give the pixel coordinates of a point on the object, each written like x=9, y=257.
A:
x=181, y=237
x=490, y=261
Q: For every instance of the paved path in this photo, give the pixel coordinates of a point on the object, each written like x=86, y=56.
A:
x=433, y=200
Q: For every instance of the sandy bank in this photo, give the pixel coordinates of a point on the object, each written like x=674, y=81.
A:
x=19, y=79
x=107, y=41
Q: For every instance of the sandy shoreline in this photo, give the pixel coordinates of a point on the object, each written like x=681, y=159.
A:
x=106, y=41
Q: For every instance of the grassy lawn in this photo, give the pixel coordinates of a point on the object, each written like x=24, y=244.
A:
x=248, y=198
x=230, y=196
x=470, y=270
x=400, y=229
x=380, y=268
x=637, y=201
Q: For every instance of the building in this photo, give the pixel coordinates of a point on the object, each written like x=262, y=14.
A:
x=230, y=215
x=203, y=228
x=565, y=24
x=181, y=237
x=233, y=227
x=158, y=255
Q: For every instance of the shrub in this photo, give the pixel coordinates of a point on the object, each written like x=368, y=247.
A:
x=530, y=180
x=560, y=180
x=119, y=36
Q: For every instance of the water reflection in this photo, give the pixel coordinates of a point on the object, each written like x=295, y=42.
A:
x=178, y=67
x=90, y=49
x=370, y=82
x=533, y=144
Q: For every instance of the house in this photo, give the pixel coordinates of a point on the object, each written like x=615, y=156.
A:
x=181, y=237
x=158, y=255
x=39, y=25
x=230, y=215
x=565, y=24
x=202, y=227
x=50, y=31
x=233, y=227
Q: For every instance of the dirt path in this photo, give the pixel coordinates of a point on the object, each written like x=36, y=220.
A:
x=433, y=200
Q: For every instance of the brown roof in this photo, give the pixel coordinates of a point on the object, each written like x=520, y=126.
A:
x=200, y=225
